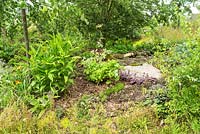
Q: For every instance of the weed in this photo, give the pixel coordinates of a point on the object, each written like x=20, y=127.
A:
x=115, y=89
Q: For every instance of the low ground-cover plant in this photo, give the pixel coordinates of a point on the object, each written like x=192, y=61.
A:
x=83, y=107
x=107, y=92
x=99, y=71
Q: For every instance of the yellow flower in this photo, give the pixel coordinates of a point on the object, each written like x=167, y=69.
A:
x=19, y=67
x=17, y=82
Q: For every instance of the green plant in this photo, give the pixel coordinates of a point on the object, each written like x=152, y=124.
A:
x=100, y=71
x=184, y=89
x=83, y=106
x=181, y=64
x=120, y=46
x=52, y=66
x=8, y=50
x=158, y=97
x=114, y=89
x=16, y=118
x=51, y=70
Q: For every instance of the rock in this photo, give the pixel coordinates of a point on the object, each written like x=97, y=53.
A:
x=129, y=55
x=157, y=86
x=3, y=68
x=140, y=74
x=118, y=56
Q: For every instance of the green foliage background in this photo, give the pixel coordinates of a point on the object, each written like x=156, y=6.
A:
x=73, y=37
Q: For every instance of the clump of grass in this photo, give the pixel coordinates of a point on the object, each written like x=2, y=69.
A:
x=137, y=120
x=16, y=118
x=171, y=34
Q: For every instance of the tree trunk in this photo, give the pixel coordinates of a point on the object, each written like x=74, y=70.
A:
x=24, y=21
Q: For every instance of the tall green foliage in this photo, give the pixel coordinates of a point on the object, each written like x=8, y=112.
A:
x=185, y=89
x=170, y=12
x=181, y=63
x=52, y=66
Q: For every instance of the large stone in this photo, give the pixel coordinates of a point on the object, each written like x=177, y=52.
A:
x=140, y=74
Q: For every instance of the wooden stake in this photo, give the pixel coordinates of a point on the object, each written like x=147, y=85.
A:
x=24, y=21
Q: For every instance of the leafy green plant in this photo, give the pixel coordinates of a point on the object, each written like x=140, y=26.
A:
x=51, y=70
x=52, y=66
x=100, y=71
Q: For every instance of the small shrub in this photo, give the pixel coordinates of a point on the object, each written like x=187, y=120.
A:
x=8, y=50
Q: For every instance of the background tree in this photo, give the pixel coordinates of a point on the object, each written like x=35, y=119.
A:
x=170, y=12
x=10, y=18
x=115, y=18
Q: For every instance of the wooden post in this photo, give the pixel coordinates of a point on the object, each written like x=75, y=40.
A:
x=24, y=21
x=2, y=27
